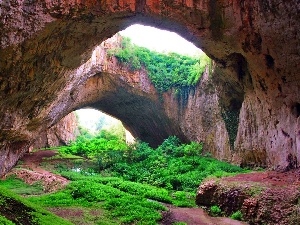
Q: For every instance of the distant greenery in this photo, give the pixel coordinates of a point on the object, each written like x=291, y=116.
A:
x=88, y=145
x=166, y=71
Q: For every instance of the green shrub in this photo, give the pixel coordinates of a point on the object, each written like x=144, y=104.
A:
x=237, y=215
x=215, y=210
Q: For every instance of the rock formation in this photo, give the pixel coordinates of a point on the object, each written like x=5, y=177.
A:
x=45, y=45
x=61, y=133
x=268, y=197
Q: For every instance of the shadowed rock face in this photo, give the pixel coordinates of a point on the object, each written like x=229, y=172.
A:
x=62, y=133
x=44, y=45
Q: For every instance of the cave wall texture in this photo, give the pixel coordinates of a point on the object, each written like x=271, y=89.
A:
x=62, y=133
x=45, y=47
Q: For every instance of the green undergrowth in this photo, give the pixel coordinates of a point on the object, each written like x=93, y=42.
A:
x=127, y=202
x=166, y=71
x=173, y=165
x=17, y=186
x=128, y=185
x=17, y=210
x=89, y=146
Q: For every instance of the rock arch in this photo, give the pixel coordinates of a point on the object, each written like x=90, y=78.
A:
x=255, y=45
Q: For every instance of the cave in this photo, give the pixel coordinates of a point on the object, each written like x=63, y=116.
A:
x=45, y=49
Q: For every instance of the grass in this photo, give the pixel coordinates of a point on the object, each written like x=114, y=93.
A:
x=19, y=187
x=109, y=194
x=126, y=186
x=18, y=210
x=4, y=221
x=85, y=215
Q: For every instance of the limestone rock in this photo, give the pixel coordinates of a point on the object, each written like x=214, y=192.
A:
x=262, y=197
x=62, y=133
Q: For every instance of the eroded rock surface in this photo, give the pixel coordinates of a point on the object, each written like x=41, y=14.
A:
x=44, y=45
x=262, y=197
x=62, y=133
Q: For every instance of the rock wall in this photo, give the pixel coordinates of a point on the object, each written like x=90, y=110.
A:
x=44, y=46
x=262, y=197
x=198, y=112
x=62, y=133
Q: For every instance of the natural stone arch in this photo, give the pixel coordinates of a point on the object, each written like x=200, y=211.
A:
x=42, y=44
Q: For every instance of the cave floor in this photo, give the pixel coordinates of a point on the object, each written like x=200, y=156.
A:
x=192, y=216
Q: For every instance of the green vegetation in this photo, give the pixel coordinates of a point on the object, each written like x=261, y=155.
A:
x=89, y=146
x=173, y=166
x=125, y=184
x=19, y=187
x=125, y=201
x=215, y=211
x=237, y=215
x=16, y=210
x=166, y=71
x=4, y=221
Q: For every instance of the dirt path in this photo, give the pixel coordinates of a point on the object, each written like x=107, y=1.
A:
x=194, y=216
x=270, y=178
x=32, y=172
x=33, y=160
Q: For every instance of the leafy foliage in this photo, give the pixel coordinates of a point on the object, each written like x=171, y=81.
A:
x=126, y=201
x=90, y=146
x=166, y=71
x=215, y=210
x=237, y=215
x=172, y=165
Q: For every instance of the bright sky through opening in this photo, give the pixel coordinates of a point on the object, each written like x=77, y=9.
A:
x=160, y=40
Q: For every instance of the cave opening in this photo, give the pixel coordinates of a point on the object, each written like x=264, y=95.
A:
x=92, y=122
x=172, y=65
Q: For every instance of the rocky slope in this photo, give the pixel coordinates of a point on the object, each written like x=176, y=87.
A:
x=45, y=45
x=262, y=197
